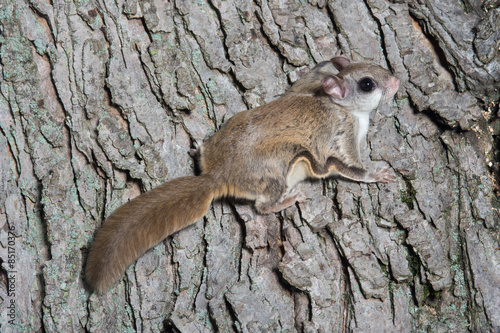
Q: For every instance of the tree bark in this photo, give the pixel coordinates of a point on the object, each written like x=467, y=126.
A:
x=101, y=100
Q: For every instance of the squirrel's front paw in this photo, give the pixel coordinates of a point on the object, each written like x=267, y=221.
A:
x=383, y=176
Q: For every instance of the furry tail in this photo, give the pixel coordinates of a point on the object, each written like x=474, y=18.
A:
x=142, y=223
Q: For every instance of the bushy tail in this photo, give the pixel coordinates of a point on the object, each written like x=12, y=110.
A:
x=142, y=223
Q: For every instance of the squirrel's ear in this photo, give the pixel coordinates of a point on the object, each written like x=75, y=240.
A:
x=335, y=87
x=340, y=62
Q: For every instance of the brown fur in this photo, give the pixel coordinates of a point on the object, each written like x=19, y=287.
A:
x=257, y=155
x=144, y=222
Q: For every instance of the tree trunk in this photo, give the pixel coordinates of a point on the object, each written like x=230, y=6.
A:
x=101, y=100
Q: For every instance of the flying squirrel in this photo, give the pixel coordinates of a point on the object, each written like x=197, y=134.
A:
x=313, y=131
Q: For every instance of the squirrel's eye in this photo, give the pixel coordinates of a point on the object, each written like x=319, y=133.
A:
x=366, y=84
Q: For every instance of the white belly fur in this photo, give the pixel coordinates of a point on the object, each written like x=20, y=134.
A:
x=363, y=124
x=299, y=172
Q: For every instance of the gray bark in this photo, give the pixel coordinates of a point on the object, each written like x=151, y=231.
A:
x=101, y=100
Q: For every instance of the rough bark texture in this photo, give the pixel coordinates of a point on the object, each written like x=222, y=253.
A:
x=101, y=100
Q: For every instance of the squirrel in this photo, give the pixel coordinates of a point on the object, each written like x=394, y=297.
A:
x=313, y=131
